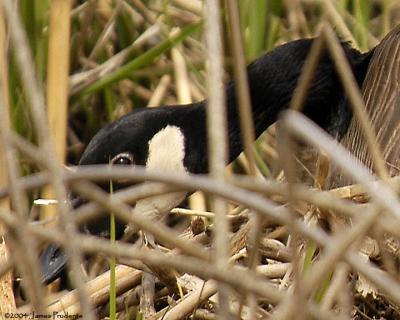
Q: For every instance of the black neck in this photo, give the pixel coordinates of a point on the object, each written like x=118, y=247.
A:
x=272, y=81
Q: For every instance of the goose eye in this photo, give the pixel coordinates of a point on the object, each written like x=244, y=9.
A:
x=124, y=158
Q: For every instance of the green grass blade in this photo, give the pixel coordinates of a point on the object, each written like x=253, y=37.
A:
x=143, y=60
x=261, y=165
x=257, y=28
x=113, y=291
x=326, y=282
x=311, y=248
x=362, y=14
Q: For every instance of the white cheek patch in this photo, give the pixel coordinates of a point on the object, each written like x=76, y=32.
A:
x=167, y=151
x=166, y=154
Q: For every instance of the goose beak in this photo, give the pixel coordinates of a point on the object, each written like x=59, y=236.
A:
x=52, y=263
x=53, y=259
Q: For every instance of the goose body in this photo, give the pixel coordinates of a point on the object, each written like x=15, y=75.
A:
x=174, y=138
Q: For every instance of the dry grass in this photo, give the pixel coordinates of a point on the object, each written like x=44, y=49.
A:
x=265, y=245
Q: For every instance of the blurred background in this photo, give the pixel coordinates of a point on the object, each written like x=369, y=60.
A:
x=121, y=58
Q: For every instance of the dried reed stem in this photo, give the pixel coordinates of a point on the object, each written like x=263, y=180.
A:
x=37, y=108
x=217, y=142
x=356, y=101
x=7, y=300
x=57, y=84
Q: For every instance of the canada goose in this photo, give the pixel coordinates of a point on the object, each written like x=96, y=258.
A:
x=173, y=138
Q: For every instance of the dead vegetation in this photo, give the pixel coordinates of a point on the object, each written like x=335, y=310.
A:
x=257, y=241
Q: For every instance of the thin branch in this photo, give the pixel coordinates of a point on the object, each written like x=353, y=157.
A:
x=356, y=101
